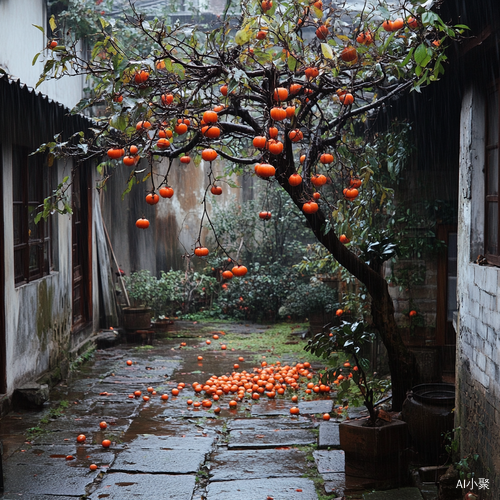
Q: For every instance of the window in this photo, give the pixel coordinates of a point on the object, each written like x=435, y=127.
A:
x=30, y=185
x=492, y=218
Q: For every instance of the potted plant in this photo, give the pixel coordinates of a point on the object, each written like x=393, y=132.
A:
x=174, y=293
x=375, y=446
x=140, y=289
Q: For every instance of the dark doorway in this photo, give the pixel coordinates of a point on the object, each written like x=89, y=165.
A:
x=446, y=336
x=81, y=248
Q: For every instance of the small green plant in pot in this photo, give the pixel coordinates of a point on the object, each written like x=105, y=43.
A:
x=350, y=378
x=141, y=287
x=174, y=293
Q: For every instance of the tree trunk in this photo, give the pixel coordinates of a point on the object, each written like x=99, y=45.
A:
x=402, y=364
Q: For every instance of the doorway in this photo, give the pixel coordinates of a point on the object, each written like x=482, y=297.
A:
x=81, y=249
x=446, y=336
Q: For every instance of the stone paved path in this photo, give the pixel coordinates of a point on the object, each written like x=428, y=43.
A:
x=167, y=449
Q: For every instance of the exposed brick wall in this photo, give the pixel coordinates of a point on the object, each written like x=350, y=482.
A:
x=419, y=330
x=478, y=371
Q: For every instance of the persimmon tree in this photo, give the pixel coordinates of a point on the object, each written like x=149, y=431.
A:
x=278, y=90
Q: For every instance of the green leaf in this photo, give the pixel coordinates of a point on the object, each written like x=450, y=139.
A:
x=429, y=17
x=408, y=57
x=292, y=63
x=243, y=36
x=35, y=59
x=420, y=53
x=39, y=27
x=103, y=22
x=178, y=69
x=317, y=12
x=119, y=122
x=327, y=51
x=130, y=184
x=168, y=65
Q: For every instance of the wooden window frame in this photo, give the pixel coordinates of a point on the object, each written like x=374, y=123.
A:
x=32, y=255
x=492, y=198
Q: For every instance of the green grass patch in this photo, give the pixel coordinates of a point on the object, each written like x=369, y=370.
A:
x=275, y=343
x=34, y=432
x=311, y=472
x=86, y=356
x=55, y=412
x=51, y=414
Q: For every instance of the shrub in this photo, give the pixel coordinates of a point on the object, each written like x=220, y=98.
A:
x=176, y=292
x=307, y=298
x=259, y=295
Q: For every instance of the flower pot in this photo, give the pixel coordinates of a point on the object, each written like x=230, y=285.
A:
x=428, y=411
x=162, y=325
x=375, y=455
x=136, y=318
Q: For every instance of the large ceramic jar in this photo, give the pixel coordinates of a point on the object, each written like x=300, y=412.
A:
x=428, y=411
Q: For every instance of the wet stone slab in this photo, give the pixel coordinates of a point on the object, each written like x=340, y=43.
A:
x=334, y=483
x=329, y=461
x=256, y=464
x=125, y=384
x=267, y=423
x=88, y=424
x=328, y=435
x=142, y=369
x=318, y=406
x=201, y=442
x=174, y=427
x=121, y=408
x=265, y=438
x=287, y=488
x=396, y=494
x=44, y=470
x=272, y=408
x=158, y=461
x=120, y=486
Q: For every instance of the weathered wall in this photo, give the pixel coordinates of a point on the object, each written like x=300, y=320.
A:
x=478, y=355
x=174, y=222
x=20, y=41
x=38, y=314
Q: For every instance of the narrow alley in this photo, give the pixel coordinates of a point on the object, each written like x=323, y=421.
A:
x=169, y=449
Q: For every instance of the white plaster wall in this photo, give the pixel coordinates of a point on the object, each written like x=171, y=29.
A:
x=20, y=41
x=38, y=314
x=478, y=343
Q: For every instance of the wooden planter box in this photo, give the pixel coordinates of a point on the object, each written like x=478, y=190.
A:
x=136, y=318
x=377, y=455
